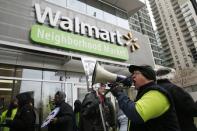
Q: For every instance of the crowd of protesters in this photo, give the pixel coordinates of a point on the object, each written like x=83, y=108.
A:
x=159, y=105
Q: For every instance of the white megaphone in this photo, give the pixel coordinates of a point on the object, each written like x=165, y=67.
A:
x=100, y=75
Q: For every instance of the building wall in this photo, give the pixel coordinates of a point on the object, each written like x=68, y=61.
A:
x=174, y=34
x=140, y=22
x=43, y=69
x=16, y=23
x=191, y=21
x=176, y=25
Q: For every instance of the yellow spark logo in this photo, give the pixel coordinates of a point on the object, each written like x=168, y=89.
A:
x=132, y=42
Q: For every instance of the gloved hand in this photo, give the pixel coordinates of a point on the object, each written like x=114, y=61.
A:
x=115, y=89
x=8, y=121
x=54, y=120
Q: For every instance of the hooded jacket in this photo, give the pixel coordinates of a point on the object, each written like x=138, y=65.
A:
x=25, y=117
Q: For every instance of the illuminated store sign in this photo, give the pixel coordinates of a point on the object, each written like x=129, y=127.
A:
x=65, y=39
x=75, y=25
x=49, y=36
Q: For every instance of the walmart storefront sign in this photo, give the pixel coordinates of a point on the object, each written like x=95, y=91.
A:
x=49, y=36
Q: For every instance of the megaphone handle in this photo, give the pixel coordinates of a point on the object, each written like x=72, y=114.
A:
x=102, y=117
x=101, y=112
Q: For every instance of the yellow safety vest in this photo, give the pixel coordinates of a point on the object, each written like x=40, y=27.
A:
x=3, y=118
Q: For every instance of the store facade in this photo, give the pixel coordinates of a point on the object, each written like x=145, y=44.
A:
x=42, y=43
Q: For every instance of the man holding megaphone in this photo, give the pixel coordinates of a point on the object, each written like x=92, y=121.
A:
x=100, y=75
x=153, y=109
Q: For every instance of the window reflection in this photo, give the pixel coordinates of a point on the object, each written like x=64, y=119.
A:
x=7, y=70
x=122, y=19
x=58, y=2
x=92, y=11
x=81, y=93
x=24, y=86
x=96, y=9
x=33, y=80
x=122, y=22
x=29, y=73
x=54, y=75
x=6, y=85
x=5, y=93
x=77, y=5
x=110, y=18
x=109, y=14
x=48, y=92
x=69, y=94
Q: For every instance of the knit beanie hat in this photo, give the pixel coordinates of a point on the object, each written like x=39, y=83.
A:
x=146, y=70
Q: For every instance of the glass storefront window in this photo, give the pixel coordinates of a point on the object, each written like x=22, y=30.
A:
x=42, y=84
x=94, y=8
x=69, y=94
x=5, y=93
x=122, y=23
x=29, y=86
x=109, y=14
x=122, y=19
x=77, y=5
x=48, y=91
x=6, y=85
x=54, y=75
x=7, y=70
x=92, y=11
x=81, y=93
x=29, y=73
x=58, y=2
x=110, y=18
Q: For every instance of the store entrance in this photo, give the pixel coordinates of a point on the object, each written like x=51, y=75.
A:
x=42, y=83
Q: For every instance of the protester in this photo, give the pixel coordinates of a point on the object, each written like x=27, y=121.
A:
x=77, y=112
x=91, y=115
x=153, y=108
x=9, y=113
x=185, y=106
x=25, y=117
x=64, y=120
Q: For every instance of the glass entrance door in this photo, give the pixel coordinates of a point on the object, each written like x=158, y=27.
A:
x=43, y=84
x=80, y=90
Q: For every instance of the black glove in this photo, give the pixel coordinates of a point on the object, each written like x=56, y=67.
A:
x=115, y=89
x=8, y=122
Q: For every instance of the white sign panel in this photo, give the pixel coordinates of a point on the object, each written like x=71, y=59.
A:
x=50, y=117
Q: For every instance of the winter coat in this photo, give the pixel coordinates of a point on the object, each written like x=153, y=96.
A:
x=65, y=119
x=4, y=117
x=153, y=109
x=25, y=117
x=90, y=115
x=185, y=106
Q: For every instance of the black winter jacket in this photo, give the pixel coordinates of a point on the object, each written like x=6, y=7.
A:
x=185, y=106
x=166, y=122
x=65, y=119
x=25, y=117
x=90, y=115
